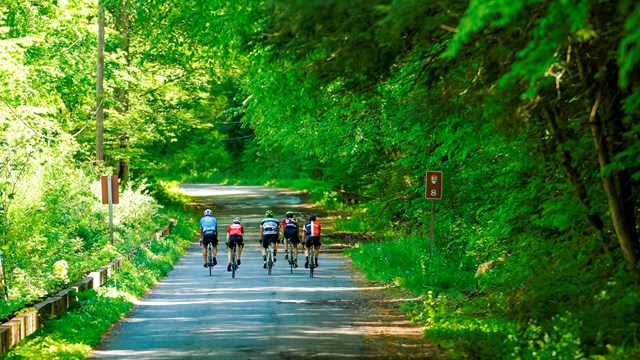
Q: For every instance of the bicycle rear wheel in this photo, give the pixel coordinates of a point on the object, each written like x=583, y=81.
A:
x=291, y=260
x=270, y=260
x=234, y=261
x=210, y=258
x=312, y=261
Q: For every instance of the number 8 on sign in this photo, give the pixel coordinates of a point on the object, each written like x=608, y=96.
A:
x=433, y=185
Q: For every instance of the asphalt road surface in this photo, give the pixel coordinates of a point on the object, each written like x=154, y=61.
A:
x=259, y=316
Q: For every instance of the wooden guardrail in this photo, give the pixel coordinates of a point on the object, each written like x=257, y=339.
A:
x=23, y=325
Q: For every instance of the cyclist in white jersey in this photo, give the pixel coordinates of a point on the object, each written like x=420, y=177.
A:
x=269, y=228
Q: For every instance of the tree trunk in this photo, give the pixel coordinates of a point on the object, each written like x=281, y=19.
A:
x=573, y=175
x=623, y=221
x=123, y=24
x=100, y=87
x=3, y=288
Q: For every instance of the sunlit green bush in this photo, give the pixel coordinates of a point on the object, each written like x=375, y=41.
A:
x=56, y=214
x=74, y=334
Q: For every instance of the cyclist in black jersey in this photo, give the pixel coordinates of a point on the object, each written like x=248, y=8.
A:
x=291, y=232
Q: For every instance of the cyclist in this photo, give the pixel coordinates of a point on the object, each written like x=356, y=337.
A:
x=311, y=232
x=234, y=235
x=290, y=232
x=209, y=234
x=269, y=234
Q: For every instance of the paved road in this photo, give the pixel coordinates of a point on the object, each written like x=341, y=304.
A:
x=254, y=316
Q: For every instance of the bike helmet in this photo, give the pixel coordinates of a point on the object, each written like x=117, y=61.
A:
x=208, y=212
x=236, y=220
x=312, y=218
x=269, y=213
x=289, y=214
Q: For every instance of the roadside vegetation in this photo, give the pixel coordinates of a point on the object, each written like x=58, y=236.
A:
x=74, y=334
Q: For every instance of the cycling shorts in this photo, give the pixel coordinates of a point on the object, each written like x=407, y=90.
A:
x=209, y=237
x=312, y=240
x=237, y=239
x=269, y=238
x=292, y=236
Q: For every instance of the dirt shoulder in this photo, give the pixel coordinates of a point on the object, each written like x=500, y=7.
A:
x=375, y=311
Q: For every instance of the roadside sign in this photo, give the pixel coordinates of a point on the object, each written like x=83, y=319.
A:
x=110, y=197
x=433, y=185
x=110, y=187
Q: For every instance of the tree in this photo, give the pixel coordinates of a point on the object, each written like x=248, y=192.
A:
x=100, y=87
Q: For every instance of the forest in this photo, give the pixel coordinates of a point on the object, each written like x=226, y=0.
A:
x=530, y=109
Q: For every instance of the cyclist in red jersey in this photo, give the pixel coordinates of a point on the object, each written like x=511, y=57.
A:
x=311, y=232
x=234, y=235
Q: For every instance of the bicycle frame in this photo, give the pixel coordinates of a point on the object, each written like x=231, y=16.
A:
x=210, y=258
x=234, y=259
x=290, y=252
x=312, y=259
x=270, y=258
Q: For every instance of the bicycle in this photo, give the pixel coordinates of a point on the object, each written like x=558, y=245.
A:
x=234, y=260
x=270, y=258
x=210, y=257
x=290, y=254
x=312, y=259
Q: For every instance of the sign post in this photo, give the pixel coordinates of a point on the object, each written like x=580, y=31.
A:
x=433, y=191
x=110, y=197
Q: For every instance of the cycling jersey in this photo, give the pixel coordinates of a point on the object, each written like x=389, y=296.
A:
x=235, y=229
x=312, y=228
x=269, y=226
x=289, y=224
x=208, y=223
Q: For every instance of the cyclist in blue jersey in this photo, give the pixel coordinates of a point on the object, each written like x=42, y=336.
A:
x=269, y=234
x=209, y=234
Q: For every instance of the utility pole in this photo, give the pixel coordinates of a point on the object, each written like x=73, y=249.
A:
x=100, y=85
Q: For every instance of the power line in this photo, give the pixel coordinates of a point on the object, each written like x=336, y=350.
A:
x=39, y=133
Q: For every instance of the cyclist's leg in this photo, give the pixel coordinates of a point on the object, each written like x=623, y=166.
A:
x=295, y=241
x=275, y=241
x=214, y=242
x=229, y=245
x=239, y=246
x=265, y=245
x=205, y=242
x=306, y=251
x=285, y=242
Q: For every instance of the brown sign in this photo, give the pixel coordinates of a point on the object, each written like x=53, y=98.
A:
x=433, y=185
x=114, y=189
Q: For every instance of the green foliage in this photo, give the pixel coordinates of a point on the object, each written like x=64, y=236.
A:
x=629, y=55
x=504, y=97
